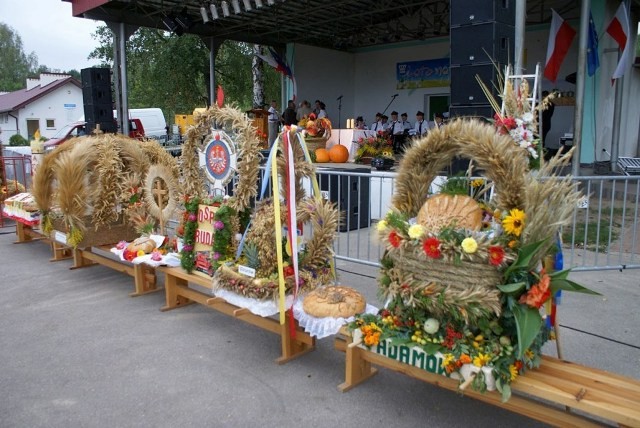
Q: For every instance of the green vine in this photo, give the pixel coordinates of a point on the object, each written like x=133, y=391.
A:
x=187, y=255
x=222, y=237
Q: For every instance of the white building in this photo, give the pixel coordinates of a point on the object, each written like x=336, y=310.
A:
x=48, y=103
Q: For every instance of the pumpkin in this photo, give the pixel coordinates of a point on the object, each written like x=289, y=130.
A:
x=339, y=153
x=322, y=155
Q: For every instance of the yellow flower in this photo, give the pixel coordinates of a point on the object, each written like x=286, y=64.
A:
x=529, y=354
x=481, y=360
x=469, y=245
x=416, y=231
x=477, y=182
x=513, y=370
x=140, y=253
x=381, y=226
x=514, y=222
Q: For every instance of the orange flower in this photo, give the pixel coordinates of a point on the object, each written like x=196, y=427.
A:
x=465, y=359
x=539, y=293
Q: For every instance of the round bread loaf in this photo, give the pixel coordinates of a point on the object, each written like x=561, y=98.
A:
x=443, y=210
x=143, y=243
x=334, y=301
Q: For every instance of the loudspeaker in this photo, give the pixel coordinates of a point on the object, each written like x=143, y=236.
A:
x=93, y=95
x=478, y=110
x=98, y=113
x=95, y=77
x=466, y=12
x=465, y=89
x=351, y=195
x=480, y=44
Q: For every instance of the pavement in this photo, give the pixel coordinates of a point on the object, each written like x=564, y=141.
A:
x=77, y=351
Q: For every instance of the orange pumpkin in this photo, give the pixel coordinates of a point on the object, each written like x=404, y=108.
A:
x=339, y=153
x=322, y=155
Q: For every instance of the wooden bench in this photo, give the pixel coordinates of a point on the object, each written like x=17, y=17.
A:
x=179, y=294
x=26, y=234
x=144, y=276
x=549, y=394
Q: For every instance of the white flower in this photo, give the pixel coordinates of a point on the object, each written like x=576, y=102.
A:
x=416, y=231
x=527, y=117
x=381, y=226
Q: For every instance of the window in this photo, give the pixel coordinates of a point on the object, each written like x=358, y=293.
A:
x=4, y=117
x=51, y=123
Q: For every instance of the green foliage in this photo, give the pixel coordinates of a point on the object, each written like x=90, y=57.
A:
x=16, y=66
x=18, y=140
x=172, y=72
x=222, y=237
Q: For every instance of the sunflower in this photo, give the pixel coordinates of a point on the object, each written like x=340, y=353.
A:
x=514, y=222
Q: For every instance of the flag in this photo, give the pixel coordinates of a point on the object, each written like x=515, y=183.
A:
x=560, y=37
x=274, y=60
x=220, y=97
x=619, y=29
x=593, y=61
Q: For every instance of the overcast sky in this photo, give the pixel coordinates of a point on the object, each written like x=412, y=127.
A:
x=47, y=28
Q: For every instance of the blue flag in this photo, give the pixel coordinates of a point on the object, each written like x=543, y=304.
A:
x=593, y=61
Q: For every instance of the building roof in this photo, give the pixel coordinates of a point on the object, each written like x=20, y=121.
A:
x=346, y=25
x=17, y=99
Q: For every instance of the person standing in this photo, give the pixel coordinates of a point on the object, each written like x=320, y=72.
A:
x=547, y=113
x=406, y=125
x=304, y=110
x=322, y=112
x=377, y=124
x=421, y=127
x=396, y=132
x=438, y=120
x=274, y=120
x=289, y=115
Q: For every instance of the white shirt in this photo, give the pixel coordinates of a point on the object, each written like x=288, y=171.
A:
x=421, y=127
x=273, y=114
x=394, y=128
x=322, y=114
x=377, y=126
x=406, y=125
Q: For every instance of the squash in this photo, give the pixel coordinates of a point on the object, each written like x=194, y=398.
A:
x=322, y=155
x=339, y=153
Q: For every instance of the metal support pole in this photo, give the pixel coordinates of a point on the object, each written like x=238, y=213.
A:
x=617, y=113
x=123, y=79
x=521, y=21
x=212, y=71
x=580, y=81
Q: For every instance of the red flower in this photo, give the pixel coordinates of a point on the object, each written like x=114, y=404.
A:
x=539, y=293
x=496, y=255
x=431, y=247
x=128, y=255
x=288, y=271
x=394, y=239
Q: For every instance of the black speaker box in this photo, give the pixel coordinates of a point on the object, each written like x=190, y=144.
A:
x=465, y=88
x=465, y=12
x=480, y=44
x=106, y=127
x=95, y=77
x=351, y=195
x=98, y=113
x=478, y=110
x=93, y=95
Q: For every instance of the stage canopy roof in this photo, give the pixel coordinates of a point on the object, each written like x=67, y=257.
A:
x=346, y=25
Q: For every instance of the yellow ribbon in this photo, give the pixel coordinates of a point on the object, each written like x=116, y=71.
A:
x=278, y=232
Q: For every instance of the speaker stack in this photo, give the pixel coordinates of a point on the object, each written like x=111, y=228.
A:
x=98, y=102
x=351, y=195
x=482, y=31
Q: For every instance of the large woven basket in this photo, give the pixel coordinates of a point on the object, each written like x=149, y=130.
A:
x=314, y=143
x=119, y=230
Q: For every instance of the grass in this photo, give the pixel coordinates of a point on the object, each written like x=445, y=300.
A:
x=592, y=233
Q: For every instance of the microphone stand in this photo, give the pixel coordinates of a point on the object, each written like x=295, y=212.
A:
x=339, y=118
x=393, y=97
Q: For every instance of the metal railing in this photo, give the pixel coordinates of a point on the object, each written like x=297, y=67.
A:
x=15, y=177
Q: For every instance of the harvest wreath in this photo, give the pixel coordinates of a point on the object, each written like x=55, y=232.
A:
x=244, y=237
x=464, y=281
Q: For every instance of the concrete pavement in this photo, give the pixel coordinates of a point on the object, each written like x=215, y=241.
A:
x=78, y=352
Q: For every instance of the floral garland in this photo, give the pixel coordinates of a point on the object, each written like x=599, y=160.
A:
x=190, y=220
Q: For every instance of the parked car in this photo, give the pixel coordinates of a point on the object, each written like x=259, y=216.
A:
x=77, y=129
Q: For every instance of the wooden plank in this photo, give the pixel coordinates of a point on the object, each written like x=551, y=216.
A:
x=60, y=252
x=610, y=397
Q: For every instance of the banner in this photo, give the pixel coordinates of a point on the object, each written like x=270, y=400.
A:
x=429, y=73
x=203, y=247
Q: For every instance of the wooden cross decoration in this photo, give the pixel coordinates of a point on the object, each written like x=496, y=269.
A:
x=158, y=192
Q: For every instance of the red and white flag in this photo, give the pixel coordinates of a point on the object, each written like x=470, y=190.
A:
x=619, y=29
x=560, y=37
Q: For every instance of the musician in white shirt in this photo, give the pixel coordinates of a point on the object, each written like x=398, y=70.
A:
x=421, y=127
x=406, y=125
x=377, y=124
x=274, y=120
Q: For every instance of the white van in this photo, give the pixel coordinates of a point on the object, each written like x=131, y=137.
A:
x=153, y=122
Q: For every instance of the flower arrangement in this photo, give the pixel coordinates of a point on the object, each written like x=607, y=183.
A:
x=479, y=296
x=314, y=127
x=379, y=145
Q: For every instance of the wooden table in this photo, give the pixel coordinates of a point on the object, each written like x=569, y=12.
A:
x=144, y=276
x=26, y=234
x=179, y=294
x=564, y=386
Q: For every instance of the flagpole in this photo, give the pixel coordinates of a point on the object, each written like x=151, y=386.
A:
x=580, y=79
x=617, y=109
x=521, y=12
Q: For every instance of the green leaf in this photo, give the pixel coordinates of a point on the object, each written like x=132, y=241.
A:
x=506, y=392
x=528, y=324
x=431, y=348
x=524, y=256
x=512, y=288
x=567, y=285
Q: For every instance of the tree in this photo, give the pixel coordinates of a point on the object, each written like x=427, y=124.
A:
x=16, y=65
x=172, y=72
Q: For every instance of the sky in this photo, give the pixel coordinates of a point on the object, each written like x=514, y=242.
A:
x=47, y=28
